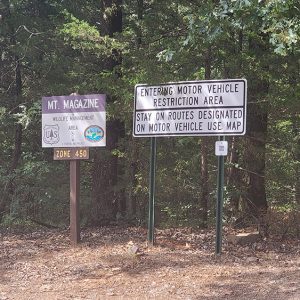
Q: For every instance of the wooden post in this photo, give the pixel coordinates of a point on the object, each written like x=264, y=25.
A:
x=74, y=201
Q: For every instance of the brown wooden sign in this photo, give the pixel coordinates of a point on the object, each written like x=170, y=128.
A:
x=71, y=153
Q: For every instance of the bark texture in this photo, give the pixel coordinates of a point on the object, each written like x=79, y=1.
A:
x=107, y=198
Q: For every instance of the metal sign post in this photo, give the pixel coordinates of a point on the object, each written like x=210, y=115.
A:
x=220, y=192
x=152, y=191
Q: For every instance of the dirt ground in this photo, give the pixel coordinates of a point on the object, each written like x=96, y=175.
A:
x=115, y=263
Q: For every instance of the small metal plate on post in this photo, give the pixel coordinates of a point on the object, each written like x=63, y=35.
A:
x=71, y=153
x=221, y=148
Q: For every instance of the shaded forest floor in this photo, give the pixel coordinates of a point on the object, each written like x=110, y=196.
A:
x=114, y=263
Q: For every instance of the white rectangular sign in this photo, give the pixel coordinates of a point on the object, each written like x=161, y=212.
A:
x=221, y=148
x=199, y=108
x=74, y=121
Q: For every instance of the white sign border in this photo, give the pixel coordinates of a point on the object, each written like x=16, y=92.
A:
x=98, y=115
x=243, y=132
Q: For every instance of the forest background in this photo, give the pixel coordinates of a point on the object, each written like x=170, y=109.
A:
x=107, y=46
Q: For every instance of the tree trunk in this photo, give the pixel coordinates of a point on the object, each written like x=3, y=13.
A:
x=134, y=147
x=297, y=185
x=296, y=125
x=134, y=168
x=293, y=81
x=204, y=158
x=255, y=145
x=140, y=11
x=107, y=199
x=105, y=179
x=16, y=94
x=233, y=176
x=255, y=158
x=18, y=128
x=204, y=184
x=255, y=150
x=9, y=188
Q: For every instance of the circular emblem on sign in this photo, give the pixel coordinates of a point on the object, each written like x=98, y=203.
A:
x=94, y=133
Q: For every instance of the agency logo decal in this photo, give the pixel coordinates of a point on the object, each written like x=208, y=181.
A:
x=51, y=134
x=94, y=133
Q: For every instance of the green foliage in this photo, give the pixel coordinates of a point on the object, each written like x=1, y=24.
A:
x=282, y=164
x=27, y=116
x=62, y=47
x=281, y=23
x=86, y=38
